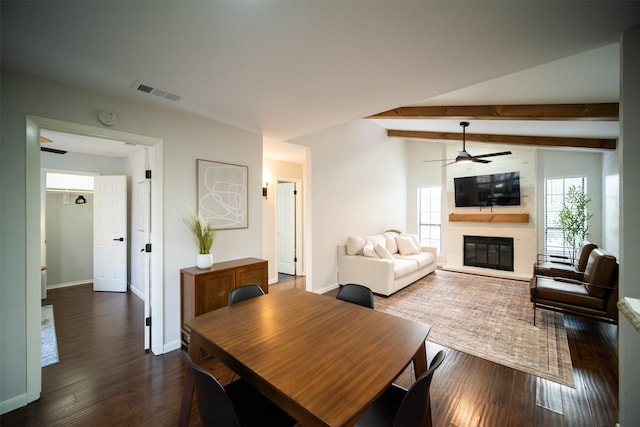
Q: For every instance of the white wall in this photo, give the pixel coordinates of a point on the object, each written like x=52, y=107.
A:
x=555, y=164
x=69, y=239
x=425, y=174
x=359, y=187
x=185, y=139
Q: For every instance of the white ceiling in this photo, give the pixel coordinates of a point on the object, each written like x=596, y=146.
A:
x=285, y=69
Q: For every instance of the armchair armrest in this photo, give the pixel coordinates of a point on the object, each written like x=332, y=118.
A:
x=609, y=288
x=567, y=280
x=558, y=259
x=431, y=249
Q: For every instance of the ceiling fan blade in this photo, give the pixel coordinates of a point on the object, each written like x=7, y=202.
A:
x=477, y=160
x=503, y=153
x=450, y=163
x=441, y=160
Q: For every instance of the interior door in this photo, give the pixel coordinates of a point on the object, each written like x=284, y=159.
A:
x=286, y=229
x=110, y=233
x=144, y=225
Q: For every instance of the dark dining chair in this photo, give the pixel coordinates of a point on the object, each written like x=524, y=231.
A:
x=398, y=407
x=244, y=292
x=237, y=404
x=356, y=294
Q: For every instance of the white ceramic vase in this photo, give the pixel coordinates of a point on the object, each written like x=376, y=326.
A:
x=204, y=261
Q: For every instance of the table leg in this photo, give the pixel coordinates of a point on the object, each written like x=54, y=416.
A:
x=420, y=361
x=195, y=353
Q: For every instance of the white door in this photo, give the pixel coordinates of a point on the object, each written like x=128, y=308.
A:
x=286, y=228
x=144, y=225
x=110, y=233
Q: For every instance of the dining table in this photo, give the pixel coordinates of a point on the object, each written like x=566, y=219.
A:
x=323, y=360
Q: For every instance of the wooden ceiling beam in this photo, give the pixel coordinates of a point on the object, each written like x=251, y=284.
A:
x=522, y=140
x=551, y=112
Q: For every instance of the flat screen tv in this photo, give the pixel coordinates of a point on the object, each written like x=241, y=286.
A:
x=500, y=189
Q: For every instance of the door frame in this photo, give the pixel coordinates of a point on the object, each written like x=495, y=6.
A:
x=33, y=291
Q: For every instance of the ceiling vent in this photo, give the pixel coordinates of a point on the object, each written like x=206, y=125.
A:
x=147, y=88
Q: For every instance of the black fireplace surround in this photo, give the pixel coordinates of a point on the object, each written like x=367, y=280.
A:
x=489, y=252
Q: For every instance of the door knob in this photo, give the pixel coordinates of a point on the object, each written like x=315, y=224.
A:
x=119, y=239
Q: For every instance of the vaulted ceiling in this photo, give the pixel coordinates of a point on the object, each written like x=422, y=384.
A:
x=286, y=69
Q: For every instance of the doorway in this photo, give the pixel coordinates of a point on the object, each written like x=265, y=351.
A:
x=289, y=227
x=152, y=148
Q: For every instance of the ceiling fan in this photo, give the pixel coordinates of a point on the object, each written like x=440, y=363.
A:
x=465, y=157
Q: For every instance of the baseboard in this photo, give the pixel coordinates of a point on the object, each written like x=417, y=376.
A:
x=326, y=289
x=137, y=292
x=171, y=346
x=68, y=284
x=13, y=403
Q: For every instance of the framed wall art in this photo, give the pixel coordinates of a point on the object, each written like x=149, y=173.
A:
x=222, y=193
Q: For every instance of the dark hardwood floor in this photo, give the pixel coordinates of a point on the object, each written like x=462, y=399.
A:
x=105, y=378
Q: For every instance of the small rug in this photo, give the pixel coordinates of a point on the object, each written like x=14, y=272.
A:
x=487, y=317
x=48, y=339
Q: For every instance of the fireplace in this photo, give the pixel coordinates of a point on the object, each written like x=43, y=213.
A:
x=489, y=252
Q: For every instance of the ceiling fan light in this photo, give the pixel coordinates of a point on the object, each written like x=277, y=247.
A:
x=463, y=157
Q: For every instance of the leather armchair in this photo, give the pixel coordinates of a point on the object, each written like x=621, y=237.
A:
x=559, y=266
x=594, y=296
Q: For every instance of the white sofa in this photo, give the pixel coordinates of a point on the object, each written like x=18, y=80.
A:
x=384, y=262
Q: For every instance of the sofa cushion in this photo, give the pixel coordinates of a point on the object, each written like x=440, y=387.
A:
x=406, y=245
x=355, y=245
x=404, y=267
x=423, y=259
x=383, y=252
x=369, y=251
x=390, y=241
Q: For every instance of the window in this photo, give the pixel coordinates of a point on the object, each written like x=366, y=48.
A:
x=429, y=216
x=554, y=195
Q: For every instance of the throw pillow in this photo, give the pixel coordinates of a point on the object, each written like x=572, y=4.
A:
x=355, y=245
x=406, y=245
x=369, y=251
x=375, y=239
x=415, y=238
x=383, y=252
x=390, y=241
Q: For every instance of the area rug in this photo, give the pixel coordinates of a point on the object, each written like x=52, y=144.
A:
x=489, y=318
x=48, y=339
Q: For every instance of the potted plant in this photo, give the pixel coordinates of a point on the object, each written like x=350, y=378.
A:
x=574, y=219
x=204, y=234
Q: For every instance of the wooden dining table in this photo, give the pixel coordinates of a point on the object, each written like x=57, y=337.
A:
x=323, y=360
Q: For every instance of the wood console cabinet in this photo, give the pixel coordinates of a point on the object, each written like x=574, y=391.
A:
x=204, y=290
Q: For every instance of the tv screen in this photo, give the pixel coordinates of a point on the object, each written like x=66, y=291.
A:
x=500, y=189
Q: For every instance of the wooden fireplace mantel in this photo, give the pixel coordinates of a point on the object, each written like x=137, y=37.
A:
x=488, y=217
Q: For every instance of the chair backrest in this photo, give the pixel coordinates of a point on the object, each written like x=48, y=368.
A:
x=356, y=294
x=244, y=292
x=602, y=271
x=415, y=405
x=214, y=405
x=583, y=257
